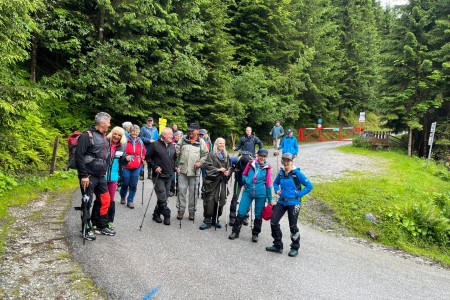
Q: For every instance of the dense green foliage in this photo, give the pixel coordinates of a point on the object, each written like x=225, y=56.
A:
x=409, y=198
x=224, y=64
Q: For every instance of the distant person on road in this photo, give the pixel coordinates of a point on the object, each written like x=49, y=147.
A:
x=218, y=171
x=248, y=142
x=288, y=185
x=192, y=152
x=149, y=134
x=161, y=157
x=93, y=158
x=277, y=132
x=135, y=153
x=258, y=186
x=117, y=141
x=289, y=144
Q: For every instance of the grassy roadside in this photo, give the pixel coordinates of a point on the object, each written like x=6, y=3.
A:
x=411, y=203
x=28, y=190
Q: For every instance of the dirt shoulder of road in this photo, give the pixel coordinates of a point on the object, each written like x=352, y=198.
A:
x=37, y=262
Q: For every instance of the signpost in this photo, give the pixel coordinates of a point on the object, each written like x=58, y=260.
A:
x=431, y=139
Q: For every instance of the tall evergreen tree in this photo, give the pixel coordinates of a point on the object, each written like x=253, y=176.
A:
x=412, y=82
x=360, y=41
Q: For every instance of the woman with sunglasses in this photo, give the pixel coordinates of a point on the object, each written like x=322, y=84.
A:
x=257, y=177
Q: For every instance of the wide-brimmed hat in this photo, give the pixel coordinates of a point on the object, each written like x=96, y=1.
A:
x=193, y=126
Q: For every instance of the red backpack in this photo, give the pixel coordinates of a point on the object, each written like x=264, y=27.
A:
x=72, y=142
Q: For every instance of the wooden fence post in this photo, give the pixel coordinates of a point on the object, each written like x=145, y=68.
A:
x=55, y=152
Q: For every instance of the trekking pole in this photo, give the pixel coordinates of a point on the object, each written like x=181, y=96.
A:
x=218, y=201
x=85, y=213
x=195, y=203
x=251, y=215
x=143, y=192
x=177, y=193
x=151, y=194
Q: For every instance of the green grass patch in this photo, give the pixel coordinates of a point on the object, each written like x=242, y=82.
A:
x=410, y=200
x=29, y=189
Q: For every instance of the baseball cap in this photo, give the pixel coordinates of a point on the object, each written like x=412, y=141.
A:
x=287, y=156
x=289, y=130
x=202, y=131
x=262, y=152
x=149, y=119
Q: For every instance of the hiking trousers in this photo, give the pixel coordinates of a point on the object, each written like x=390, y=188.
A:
x=184, y=183
x=278, y=211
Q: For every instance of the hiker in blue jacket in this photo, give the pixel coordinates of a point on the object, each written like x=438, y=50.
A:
x=148, y=134
x=289, y=144
x=287, y=185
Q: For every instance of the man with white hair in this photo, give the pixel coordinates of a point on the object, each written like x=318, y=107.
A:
x=161, y=157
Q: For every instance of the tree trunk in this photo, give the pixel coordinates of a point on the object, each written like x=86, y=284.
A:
x=33, y=58
x=101, y=24
x=410, y=142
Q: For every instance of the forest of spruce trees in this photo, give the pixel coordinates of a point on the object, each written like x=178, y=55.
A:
x=225, y=64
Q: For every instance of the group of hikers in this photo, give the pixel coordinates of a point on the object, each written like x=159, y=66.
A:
x=177, y=164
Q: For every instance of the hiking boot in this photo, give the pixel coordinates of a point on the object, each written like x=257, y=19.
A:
x=149, y=176
x=123, y=201
x=191, y=215
x=255, y=238
x=218, y=225
x=233, y=236
x=141, y=175
x=95, y=230
x=107, y=231
x=157, y=219
x=90, y=236
x=231, y=223
x=274, y=249
x=111, y=225
x=180, y=215
x=204, y=226
x=166, y=220
x=130, y=205
x=245, y=221
x=293, y=252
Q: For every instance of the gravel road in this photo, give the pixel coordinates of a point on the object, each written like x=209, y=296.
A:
x=186, y=263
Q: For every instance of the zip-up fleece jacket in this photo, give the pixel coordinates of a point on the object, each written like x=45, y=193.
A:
x=290, y=193
x=136, y=149
x=92, y=157
x=118, y=159
x=248, y=143
x=160, y=155
x=258, y=180
x=190, y=154
x=289, y=145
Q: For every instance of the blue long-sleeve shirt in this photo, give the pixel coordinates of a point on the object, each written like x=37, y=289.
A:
x=290, y=193
x=289, y=145
x=147, y=134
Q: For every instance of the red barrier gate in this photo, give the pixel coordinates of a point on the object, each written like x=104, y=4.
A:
x=328, y=134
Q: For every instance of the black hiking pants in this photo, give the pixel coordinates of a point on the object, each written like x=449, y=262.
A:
x=162, y=189
x=277, y=213
x=99, y=187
